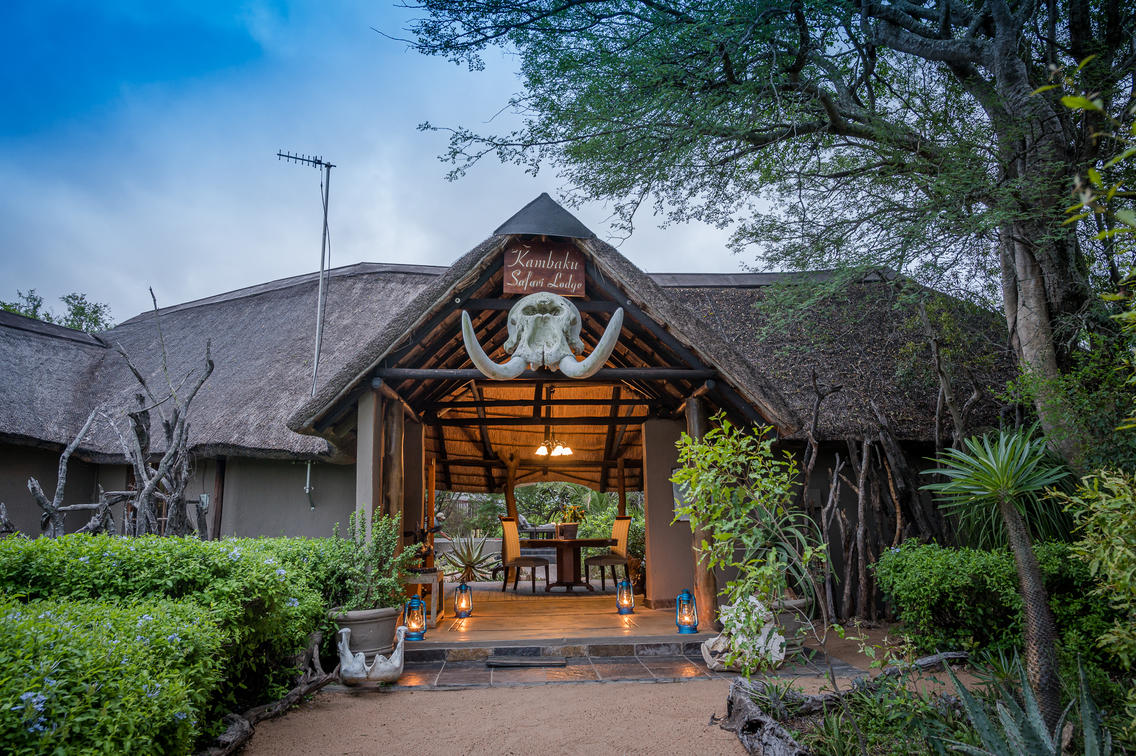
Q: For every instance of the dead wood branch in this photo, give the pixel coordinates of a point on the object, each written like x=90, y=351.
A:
x=241, y=727
x=52, y=521
x=7, y=528
x=761, y=732
x=162, y=484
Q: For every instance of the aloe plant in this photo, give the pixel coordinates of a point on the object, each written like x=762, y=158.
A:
x=468, y=559
x=1019, y=728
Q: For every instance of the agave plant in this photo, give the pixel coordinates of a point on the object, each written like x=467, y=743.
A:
x=468, y=560
x=1019, y=727
x=995, y=476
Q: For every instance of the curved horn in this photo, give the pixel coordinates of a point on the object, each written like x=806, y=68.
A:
x=511, y=369
x=594, y=361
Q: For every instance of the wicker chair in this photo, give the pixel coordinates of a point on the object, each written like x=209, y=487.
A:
x=511, y=556
x=618, y=554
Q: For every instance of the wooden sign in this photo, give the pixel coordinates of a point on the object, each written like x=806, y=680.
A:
x=558, y=268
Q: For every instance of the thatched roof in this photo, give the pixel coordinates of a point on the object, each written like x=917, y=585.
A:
x=258, y=403
x=261, y=341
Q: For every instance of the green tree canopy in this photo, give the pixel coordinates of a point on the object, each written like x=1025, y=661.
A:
x=831, y=133
x=81, y=313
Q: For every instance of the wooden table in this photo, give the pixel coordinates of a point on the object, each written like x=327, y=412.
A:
x=568, y=562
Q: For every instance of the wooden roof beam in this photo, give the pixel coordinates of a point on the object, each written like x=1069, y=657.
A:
x=610, y=439
x=572, y=464
x=503, y=422
x=604, y=374
x=442, y=453
x=486, y=445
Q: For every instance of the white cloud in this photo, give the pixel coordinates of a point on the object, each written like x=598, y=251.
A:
x=177, y=186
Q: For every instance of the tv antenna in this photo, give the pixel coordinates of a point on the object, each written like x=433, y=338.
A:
x=318, y=162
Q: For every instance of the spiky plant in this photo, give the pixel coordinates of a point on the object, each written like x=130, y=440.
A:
x=1018, y=727
x=999, y=473
x=468, y=560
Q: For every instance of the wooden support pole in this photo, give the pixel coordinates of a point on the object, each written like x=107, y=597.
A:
x=705, y=583
x=511, y=460
x=218, y=502
x=369, y=458
x=620, y=467
x=428, y=508
x=393, y=426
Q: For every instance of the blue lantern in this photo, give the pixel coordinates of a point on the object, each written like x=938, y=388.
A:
x=624, y=597
x=463, y=601
x=415, y=619
x=686, y=613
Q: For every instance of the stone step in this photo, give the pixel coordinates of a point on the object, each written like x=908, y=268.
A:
x=427, y=650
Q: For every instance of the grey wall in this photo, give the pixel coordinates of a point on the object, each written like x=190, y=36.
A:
x=267, y=498
x=670, y=560
x=18, y=463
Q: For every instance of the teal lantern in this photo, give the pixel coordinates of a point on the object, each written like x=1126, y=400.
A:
x=686, y=613
x=624, y=597
x=415, y=619
x=463, y=601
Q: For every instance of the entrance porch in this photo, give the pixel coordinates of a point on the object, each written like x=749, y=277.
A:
x=569, y=625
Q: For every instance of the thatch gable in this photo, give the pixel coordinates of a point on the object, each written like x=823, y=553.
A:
x=714, y=350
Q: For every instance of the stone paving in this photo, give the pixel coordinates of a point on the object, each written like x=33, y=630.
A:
x=444, y=675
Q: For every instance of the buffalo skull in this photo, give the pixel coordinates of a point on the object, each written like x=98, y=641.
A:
x=544, y=330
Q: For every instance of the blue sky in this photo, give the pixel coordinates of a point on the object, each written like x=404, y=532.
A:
x=137, y=144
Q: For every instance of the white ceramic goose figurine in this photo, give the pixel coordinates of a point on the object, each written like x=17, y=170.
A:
x=384, y=669
x=352, y=667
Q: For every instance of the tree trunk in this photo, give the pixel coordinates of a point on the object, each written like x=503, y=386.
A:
x=1042, y=279
x=1040, y=629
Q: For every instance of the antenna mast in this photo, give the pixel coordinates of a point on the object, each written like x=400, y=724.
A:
x=325, y=263
x=325, y=242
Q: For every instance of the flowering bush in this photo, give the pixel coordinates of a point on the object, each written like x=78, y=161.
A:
x=253, y=591
x=86, y=676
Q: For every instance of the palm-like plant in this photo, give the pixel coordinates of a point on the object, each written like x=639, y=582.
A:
x=1000, y=474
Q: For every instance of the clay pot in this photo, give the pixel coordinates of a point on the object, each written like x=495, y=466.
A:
x=372, y=630
x=567, y=529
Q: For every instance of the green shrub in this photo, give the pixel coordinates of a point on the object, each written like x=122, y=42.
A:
x=255, y=590
x=92, y=677
x=968, y=599
x=1104, y=507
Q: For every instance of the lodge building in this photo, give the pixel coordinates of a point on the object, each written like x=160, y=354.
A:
x=397, y=394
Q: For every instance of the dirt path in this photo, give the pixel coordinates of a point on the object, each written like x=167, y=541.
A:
x=584, y=718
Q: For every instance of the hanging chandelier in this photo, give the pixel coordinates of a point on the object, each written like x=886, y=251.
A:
x=551, y=447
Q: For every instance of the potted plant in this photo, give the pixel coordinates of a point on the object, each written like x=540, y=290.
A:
x=368, y=594
x=568, y=524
